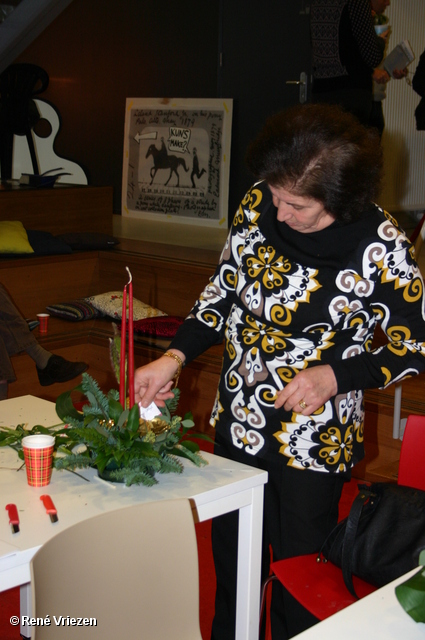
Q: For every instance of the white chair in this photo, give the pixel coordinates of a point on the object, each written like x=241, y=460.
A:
x=134, y=569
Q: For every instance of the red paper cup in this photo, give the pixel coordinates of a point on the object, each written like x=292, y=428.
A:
x=38, y=454
x=43, y=319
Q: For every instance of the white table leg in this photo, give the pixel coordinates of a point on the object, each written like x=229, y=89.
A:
x=249, y=567
x=397, y=410
x=25, y=601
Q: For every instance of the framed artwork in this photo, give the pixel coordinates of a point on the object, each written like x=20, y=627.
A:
x=177, y=159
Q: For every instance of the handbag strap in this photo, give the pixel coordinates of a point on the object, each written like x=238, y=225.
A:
x=353, y=520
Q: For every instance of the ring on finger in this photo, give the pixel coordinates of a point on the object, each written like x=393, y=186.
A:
x=302, y=404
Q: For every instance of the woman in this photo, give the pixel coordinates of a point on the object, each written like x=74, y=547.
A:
x=310, y=267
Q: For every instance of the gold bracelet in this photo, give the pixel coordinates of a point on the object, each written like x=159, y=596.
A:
x=179, y=361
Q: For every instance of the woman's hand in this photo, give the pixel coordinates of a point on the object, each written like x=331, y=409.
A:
x=153, y=382
x=312, y=388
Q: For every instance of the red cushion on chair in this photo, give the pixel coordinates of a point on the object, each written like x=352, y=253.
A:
x=160, y=326
x=318, y=586
x=410, y=473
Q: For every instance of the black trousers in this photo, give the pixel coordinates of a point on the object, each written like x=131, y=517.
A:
x=355, y=101
x=300, y=509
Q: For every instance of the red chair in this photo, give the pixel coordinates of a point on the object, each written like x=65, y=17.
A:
x=319, y=586
x=410, y=469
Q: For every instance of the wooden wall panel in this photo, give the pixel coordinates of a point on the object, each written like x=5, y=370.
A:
x=63, y=209
x=34, y=283
x=169, y=285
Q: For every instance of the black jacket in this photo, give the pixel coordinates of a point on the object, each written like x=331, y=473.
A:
x=418, y=83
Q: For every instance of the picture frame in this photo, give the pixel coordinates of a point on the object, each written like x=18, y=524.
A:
x=177, y=160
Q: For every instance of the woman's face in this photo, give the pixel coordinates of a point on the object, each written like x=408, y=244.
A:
x=301, y=213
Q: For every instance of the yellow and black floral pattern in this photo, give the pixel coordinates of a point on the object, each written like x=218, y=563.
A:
x=285, y=301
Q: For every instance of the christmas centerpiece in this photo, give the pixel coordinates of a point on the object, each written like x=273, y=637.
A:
x=116, y=441
x=122, y=446
x=108, y=433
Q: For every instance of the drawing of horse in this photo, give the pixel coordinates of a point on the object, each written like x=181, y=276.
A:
x=162, y=160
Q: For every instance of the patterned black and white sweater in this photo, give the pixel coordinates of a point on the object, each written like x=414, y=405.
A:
x=285, y=301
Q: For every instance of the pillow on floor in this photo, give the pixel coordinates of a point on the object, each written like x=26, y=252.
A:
x=75, y=311
x=110, y=304
x=14, y=238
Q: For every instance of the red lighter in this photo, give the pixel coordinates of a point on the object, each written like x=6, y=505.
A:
x=13, y=517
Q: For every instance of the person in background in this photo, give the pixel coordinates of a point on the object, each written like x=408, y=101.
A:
x=381, y=78
x=346, y=50
x=418, y=84
x=15, y=337
x=310, y=267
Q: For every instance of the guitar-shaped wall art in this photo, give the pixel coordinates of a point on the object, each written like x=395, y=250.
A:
x=23, y=149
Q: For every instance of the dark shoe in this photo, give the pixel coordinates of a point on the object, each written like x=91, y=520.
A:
x=60, y=370
x=32, y=324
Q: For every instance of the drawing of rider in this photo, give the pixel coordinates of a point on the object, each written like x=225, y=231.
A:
x=163, y=154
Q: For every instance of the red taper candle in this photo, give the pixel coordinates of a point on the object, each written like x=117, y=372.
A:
x=123, y=339
x=130, y=343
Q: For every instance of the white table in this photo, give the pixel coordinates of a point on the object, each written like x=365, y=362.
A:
x=218, y=488
x=378, y=616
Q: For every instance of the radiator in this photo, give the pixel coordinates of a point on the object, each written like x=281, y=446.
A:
x=404, y=146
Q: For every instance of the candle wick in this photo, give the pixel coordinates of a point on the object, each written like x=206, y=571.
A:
x=129, y=275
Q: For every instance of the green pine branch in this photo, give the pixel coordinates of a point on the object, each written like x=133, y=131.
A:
x=72, y=461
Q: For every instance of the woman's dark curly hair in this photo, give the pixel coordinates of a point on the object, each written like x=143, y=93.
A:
x=322, y=152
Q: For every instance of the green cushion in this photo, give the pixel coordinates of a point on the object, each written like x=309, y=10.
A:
x=14, y=238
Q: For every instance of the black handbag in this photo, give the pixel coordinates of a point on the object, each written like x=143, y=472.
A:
x=382, y=537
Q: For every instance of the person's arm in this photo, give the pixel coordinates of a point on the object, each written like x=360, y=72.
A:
x=153, y=382
x=370, y=45
x=398, y=303
x=309, y=390
x=205, y=324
